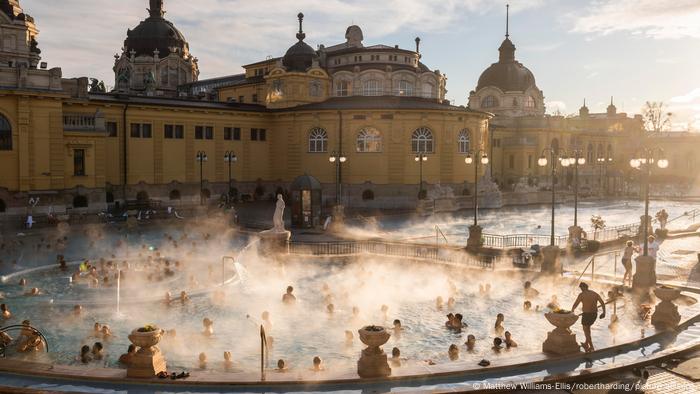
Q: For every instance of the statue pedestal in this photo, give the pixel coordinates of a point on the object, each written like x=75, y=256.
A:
x=666, y=314
x=575, y=234
x=274, y=242
x=474, y=240
x=550, y=262
x=148, y=360
x=645, y=273
x=561, y=340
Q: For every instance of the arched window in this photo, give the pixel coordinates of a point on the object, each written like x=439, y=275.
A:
x=367, y=195
x=530, y=102
x=142, y=196
x=3, y=207
x=369, y=140
x=422, y=140
x=175, y=194
x=601, y=152
x=463, y=141
x=590, y=155
x=489, y=102
x=5, y=134
x=80, y=201
x=318, y=140
x=342, y=88
x=428, y=90
x=372, y=87
x=405, y=88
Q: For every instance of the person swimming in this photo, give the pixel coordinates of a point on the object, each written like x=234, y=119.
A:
x=33, y=344
x=202, y=360
x=439, y=303
x=281, y=366
x=208, y=327
x=397, y=327
x=453, y=352
x=85, y=356
x=289, y=298
x=128, y=356
x=527, y=306
x=96, y=329
x=457, y=323
x=450, y=320
x=396, y=357
x=529, y=291
x=77, y=310
x=98, y=351
x=497, y=345
x=553, y=303
x=471, y=342
x=349, y=337
x=22, y=282
x=510, y=342
x=33, y=292
x=228, y=363
x=330, y=308
x=167, y=299
x=5, y=312
x=317, y=364
x=184, y=298
x=498, y=327
x=106, y=332
x=450, y=303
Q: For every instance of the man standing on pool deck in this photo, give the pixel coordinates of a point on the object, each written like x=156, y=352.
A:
x=590, y=300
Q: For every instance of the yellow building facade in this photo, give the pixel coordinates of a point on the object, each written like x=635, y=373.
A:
x=74, y=146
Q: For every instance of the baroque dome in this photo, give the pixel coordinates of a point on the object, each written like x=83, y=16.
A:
x=508, y=74
x=300, y=56
x=155, y=33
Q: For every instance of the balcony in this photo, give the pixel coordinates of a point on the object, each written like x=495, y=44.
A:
x=84, y=122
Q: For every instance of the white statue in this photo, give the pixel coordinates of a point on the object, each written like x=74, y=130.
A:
x=278, y=218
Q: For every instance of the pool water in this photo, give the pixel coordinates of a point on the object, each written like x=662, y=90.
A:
x=304, y=330
x=522, y=220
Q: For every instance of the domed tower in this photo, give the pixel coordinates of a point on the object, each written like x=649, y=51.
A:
x=507, y=88
x=297, y=78
x=155, y=58
x=19, y=44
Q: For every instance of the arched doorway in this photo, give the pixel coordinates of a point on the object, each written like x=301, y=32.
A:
x=3, y=207
x=306, y=202
x=142, y=196
x=175, y=194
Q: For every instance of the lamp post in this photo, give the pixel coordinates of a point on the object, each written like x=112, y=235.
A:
x=576, y=159
x=550, y=263
x=475, y=157
x=483, y=159
x=645, y=160
x=201, y=158
x=420, y=158
x=603, y=163
x=230, y=158
x=338, y=159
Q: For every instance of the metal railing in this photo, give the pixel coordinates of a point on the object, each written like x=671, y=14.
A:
x=521, y=240
x=394, y=249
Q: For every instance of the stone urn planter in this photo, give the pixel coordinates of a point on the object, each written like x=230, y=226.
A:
x=148, y=360
x=373, y=361
x=561, y=340
x=666, y=314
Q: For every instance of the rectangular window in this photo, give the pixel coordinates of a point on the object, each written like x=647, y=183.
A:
x=253, y=134
x=111, y=128
x=240, y=99
x=209, y=133
x=199, y=132
x=262, y=135
x=146, y=131
x=174, y=131
x=255, y=98
x=141, y=130
x=135, y=130
x=79, y=162
x=232, y=133
x=529, y=161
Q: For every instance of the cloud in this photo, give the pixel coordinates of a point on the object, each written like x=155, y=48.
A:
x=556, y=107
x=82, y=36
x=692, y=96
x=653, y=18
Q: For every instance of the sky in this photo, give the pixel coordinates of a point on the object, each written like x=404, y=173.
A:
x=632, y=50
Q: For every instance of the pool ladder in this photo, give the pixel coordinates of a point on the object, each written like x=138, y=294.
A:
x=19, y=327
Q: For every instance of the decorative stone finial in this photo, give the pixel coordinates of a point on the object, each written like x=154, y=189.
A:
x=156, y=9
x=301, y=34
x=507, y=18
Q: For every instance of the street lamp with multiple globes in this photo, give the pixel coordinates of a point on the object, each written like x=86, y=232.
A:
x=575, y=159
x=420, y=158
x=201, y=158
x=603, y=163
x=550, y=263
x=645, y=160
x=483, y=159
x=230, y=158
x=338, y=159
